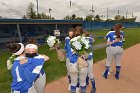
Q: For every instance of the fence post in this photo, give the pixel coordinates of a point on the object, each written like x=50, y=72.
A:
x=19, y=34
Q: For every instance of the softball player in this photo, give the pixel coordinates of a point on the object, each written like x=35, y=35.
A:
x=90, y=71
x=67, y=40
x=114, y=49
x=74, y=73
x=77, y=76
x=25, y=74
x=90, y=62
x=23, y=71
x=31, y=52
x=16, y=49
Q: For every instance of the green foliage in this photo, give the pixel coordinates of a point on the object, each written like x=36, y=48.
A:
x=31, y=13
x=119, y=18
x=97, y=18
x=67, y=18
x=73, y=17
x=88, y=18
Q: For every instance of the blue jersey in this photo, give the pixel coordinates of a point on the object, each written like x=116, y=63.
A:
x=111, y=37
x=38, y=57
x=67, y=46
x=73, y=57
x=24, y=75
x=91, y=40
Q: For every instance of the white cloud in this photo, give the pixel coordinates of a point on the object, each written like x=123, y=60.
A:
x=60, y=8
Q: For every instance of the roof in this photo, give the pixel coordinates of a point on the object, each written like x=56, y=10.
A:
x=39, y=21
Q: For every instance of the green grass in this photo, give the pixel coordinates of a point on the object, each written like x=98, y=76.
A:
x=131, y=36
x=55, y=69
x=97, y=33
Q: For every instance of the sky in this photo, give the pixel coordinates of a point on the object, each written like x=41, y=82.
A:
x=61, y=8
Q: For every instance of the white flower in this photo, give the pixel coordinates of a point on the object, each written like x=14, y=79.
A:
x=58, y=41
x=90, y=53
x=51, y=41
x=85, y=41
x=77, y=45
x=75, y=38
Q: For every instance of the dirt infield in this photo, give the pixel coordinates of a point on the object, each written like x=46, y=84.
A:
x=129, y=81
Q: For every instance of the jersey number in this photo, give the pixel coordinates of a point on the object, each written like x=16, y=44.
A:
x=18, y=76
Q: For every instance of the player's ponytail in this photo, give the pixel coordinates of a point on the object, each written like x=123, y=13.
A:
x=13, y=47
x=16, y=48
x=117, y=28
x=78, y=31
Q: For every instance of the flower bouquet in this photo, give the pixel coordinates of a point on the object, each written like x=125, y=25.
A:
x=10, y=62
x=81, y=45
x=61, y=54
x=54, y=43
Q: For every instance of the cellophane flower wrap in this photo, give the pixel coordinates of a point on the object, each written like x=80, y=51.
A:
x=81, y=45
x=10, y=62
x=52, y=41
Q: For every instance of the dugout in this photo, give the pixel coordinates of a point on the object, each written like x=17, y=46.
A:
x=21, y=29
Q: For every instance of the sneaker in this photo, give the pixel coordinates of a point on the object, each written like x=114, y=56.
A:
x=104, y=75
x=117, y=76
x=93, y=90
x=77, y=89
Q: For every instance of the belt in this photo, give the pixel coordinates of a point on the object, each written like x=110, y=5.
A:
x=114, y=46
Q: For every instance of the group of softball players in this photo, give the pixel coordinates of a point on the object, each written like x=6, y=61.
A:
x=27, y=67
x=79, y=79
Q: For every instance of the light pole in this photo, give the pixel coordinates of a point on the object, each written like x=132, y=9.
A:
x=50, y=12
x=70, y=8
x=37, y=7
x=92, y=10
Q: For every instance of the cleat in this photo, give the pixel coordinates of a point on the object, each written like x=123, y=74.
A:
x=105, y=76
x=93, y=90
x=117, y=77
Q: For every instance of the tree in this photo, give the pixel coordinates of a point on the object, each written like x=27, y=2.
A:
x=44, y=16
x=97, y=18
x=118, y=17
x=24, y=17
x=67, y=18
x=73, y=17
x=88, y=18
x=31, y=14
x=79, y=18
